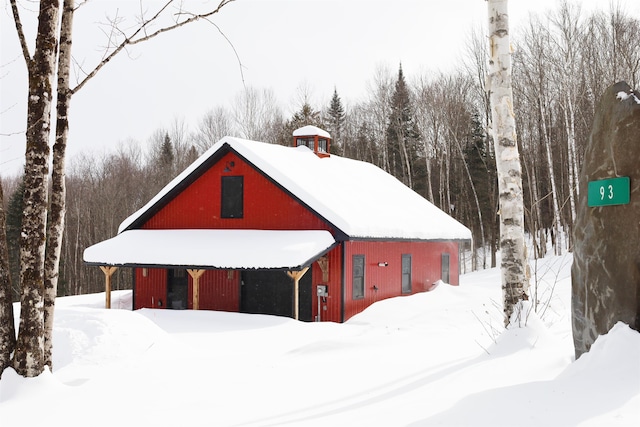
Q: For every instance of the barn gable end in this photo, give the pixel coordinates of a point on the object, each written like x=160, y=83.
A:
x=266, y=205
x=261, y=228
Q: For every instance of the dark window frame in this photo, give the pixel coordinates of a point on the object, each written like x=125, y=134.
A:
x=308, y=142
x=406, y=284
x=323, y=145
x=445, y=273
x=357, y=277
x=232, y=197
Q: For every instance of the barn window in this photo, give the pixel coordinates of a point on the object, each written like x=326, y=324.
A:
x=232, y=205
x=358, y=276
x=406, y=273
x=445, y=268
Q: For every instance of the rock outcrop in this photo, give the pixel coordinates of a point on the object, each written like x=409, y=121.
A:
x=606, y=266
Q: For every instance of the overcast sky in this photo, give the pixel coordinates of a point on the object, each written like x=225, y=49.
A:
x=282, y=44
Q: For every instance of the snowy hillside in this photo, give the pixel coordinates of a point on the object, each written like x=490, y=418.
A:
x=437, y=358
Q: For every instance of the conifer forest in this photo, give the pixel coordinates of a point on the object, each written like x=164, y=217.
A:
x=430, y=131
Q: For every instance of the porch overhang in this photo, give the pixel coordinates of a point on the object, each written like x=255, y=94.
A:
x=212, y=249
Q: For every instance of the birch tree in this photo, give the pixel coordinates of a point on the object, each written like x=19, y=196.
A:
x=567, y=23
x=39, y=279
x=379, y=105
x=58, y=186
x=428, y=125
x=515, y=281
x=212, y=127
x=28, y=358
x=7, y=329
x=256, y=113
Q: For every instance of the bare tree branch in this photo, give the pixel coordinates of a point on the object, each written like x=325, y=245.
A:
x=235, y=52
x=21, y=37
x=144, y=36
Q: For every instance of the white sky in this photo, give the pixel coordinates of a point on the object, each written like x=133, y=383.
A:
x=283, y=45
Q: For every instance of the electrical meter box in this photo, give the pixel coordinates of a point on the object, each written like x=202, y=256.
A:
x=322, y=290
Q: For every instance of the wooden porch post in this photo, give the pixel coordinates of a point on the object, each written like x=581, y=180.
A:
x=108, y=271
x=296, y=275
x=195, y=275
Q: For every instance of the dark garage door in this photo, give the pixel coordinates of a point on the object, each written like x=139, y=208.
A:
x=271, y=292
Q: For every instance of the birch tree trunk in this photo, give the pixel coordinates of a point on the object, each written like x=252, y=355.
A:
x=7, y=329
x=28, y=359
x=515, y=281
x=557, y=226
x=569, y=118
x=474, y=260
x=30, y=355
x=58, y=186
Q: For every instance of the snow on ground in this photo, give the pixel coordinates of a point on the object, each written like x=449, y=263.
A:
x=436, y=358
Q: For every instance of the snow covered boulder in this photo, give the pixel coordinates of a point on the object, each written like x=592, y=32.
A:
x=606, y=265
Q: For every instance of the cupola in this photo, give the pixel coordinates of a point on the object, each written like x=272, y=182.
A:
x=313, y=137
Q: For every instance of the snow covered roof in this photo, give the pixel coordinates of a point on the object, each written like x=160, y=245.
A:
x=311, y=130
x=358, y=198
x=226, y=249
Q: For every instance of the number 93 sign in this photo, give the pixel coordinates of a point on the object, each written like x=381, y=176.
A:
x=607, y=192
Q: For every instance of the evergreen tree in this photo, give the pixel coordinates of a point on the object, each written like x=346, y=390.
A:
x=336, y=118
x=402, y=133
x=482, y=168
x=306, y=116
x=303, y=117
x=192, y=155
x=167, y=156
x=163, y=161
x=482, y=165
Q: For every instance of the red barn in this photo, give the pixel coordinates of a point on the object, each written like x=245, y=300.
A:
x=293, y=231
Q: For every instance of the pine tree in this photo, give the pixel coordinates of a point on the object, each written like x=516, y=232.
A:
x=163, y=163
x=402, y=133
x=306, y=116
x=303, y=117
x=167, y=156
x=482, y=168
x=335, y=122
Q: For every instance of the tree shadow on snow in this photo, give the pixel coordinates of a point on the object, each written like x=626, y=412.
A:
x=364, y=399
x=559, y=402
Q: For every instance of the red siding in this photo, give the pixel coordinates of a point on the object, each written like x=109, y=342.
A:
x=426, y=268
x=150, y=291
x=217, y=290
x=266, y=206
x=333, y=302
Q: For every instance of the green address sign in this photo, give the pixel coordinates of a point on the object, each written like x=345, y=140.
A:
x=607, y=192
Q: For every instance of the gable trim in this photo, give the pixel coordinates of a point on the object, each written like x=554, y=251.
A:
x=200, y=170
x=182, y=185
x=339, y=234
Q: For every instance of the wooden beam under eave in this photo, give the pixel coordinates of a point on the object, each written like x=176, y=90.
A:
x=296, y=276
x=108, y=271
x=323, y=262
x=195, y=275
